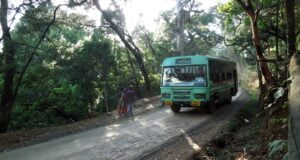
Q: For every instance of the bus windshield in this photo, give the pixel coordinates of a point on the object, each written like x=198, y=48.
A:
x=194, y=75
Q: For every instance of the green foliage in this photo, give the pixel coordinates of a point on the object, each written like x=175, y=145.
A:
x=277, y=146
x=155, y=83
x=75, y=63
x=199, y=37
x=285, y=157
x=244, y=115
x=69, y=101
x=234, y=124
x=279, y=120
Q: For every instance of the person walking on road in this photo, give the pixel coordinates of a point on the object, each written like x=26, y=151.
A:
x=122, y=106
x=130, y=98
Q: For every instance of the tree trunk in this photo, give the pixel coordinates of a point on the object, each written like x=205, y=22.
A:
x=106, y=101
x=261, y=87
x=259, y=53
x=256, y=41
x=137, y=86
x=277, y=29
x=290, y=21
x=294, y=94
x=180, y=28
x=294, y=109
x=6, y=102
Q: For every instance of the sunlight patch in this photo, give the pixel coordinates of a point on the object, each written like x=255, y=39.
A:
x=190, y=141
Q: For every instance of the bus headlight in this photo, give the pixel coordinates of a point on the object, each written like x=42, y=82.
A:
x=200, y=96
x=166, y=95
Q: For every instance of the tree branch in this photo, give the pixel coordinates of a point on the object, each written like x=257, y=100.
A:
x=34, y=52
x=242, y=4
x=297, y=33
x=272, y=31
x=74, y=4
x=14, y=16
x=127, y=41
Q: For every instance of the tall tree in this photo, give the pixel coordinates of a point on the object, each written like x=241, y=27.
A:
x=127, y=41
x=253, y=15
x=291, y=26
x=8, y=52
x=180, y=25
x=10, y=90
x=294, y=109
x=294, y=102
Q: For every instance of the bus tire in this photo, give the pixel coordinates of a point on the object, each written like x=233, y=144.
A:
x=175, y=109
x=229, y=99
x=212, y=106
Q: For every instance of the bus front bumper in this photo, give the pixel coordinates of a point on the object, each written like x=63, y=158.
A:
x=185, y=103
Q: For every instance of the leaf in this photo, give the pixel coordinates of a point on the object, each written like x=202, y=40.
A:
x=285, y=157
x=277, y=146
x=279, y=93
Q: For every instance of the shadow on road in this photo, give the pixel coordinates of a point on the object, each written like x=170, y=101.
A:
x=200, y=111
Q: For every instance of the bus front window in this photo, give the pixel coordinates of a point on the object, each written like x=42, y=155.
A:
x=184, y=76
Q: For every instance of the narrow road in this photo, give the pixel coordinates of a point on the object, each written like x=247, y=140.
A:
x=125, y=140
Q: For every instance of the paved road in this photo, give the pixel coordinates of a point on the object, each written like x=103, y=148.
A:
x=125, y=140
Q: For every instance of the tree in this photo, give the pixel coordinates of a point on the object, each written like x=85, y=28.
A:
x=180, y=25
x=126, y=39
x=253, y=15
x=294, y=103
x=101, y=50
x=8, y=52
x=10, y=90
x=48, y=93
x=197, y=36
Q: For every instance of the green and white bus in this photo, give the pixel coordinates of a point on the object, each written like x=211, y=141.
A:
x=197, y=81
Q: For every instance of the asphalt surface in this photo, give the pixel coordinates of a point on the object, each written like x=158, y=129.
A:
x=128, y=139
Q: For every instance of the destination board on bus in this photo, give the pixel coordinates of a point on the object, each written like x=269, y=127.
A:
x=183, y=61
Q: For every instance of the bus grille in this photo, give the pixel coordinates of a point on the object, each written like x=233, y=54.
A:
x=182, y=93
x=181, y=97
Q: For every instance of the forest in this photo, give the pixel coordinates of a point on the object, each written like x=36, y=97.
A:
x=59, y=66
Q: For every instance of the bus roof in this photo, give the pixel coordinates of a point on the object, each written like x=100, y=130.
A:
x=192, y=60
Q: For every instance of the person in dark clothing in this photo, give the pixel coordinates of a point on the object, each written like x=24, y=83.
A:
x=129, y=100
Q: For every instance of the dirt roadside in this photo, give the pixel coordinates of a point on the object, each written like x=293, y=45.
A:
x=13, y=140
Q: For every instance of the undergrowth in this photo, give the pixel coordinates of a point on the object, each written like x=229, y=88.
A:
x=253, y=133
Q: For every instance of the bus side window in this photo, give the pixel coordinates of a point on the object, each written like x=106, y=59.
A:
x=211, y=72
x=215, y=72
x=229, y=72
x=219, y=71
x=229, y=75
x=217, y=75
x=223, y=76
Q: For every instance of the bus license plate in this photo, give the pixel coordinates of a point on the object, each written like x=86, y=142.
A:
x=168, y=103
x=195, y=103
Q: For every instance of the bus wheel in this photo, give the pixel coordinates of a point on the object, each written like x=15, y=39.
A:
x=212, y=106
x=175, y=109
x=229, y=99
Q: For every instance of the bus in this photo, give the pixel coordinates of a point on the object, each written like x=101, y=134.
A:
x=197, y=81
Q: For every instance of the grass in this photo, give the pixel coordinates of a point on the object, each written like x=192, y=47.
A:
x=245, y=114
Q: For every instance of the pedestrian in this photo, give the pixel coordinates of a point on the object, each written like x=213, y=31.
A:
x=124, y=102
x=119, y=106
x=130, y=100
